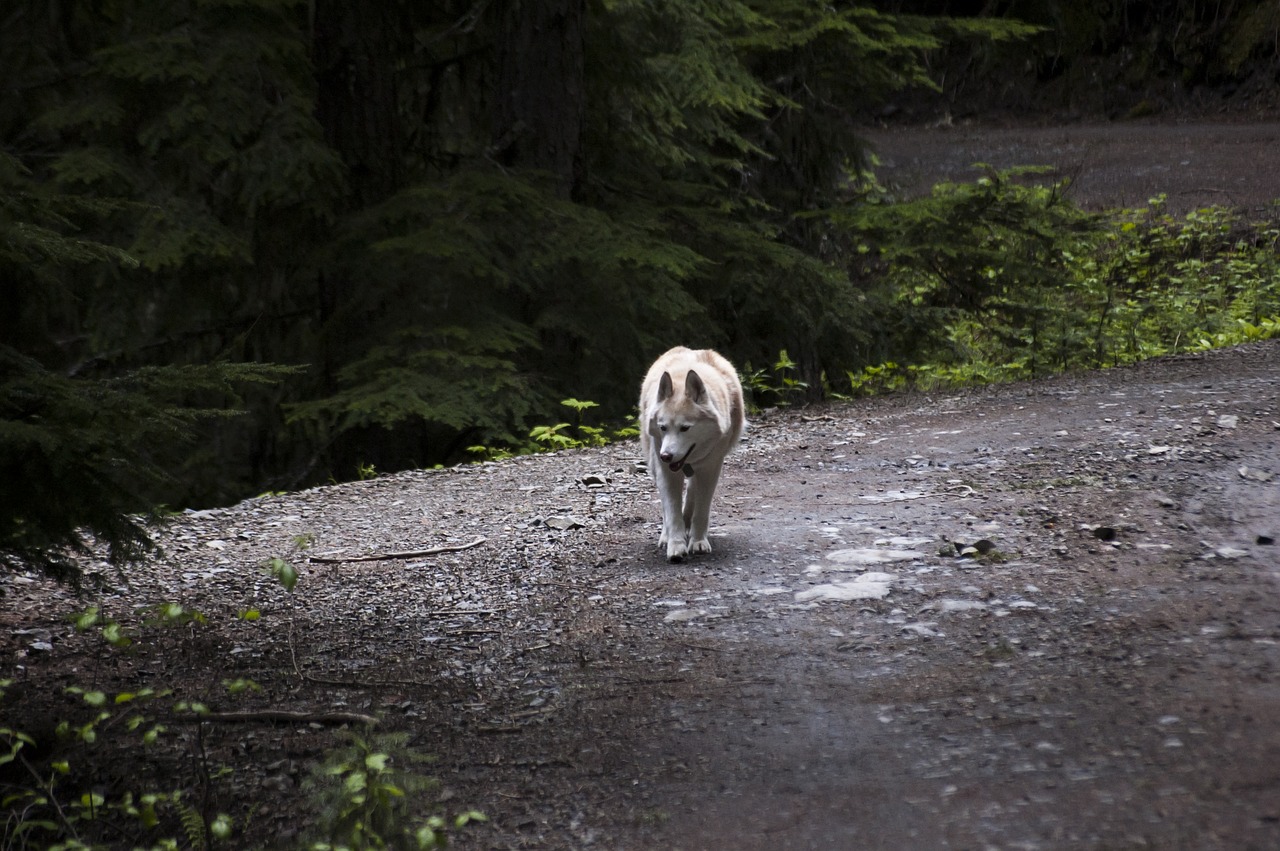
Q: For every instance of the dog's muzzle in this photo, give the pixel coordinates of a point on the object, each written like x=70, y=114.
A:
x=676, y=465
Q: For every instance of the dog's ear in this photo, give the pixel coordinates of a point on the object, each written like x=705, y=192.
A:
x=694, y=388
x=665, y=390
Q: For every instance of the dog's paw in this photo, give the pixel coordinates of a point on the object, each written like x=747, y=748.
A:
x=676, y=551
x=702, y=546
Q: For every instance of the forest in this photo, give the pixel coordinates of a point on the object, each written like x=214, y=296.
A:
x=256, y=245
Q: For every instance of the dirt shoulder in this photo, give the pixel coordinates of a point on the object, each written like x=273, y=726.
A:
x=833, y=675
x=1109, y=164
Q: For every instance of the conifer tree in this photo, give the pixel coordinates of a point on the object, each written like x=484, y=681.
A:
x=454, y=214
x=80, y=456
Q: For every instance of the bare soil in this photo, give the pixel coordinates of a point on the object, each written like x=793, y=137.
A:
x=1105, y=675
x=1107, y=164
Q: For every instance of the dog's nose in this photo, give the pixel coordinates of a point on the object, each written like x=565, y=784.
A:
x=666, y=457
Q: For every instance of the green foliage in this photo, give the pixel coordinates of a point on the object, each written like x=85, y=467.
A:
x=67, y=796
x=371, y=793
x=283, y=572
x=998, y=281
x=780, y=389
x=88, y=455
x=41, y=799
x=877, y=379
x=550, y=438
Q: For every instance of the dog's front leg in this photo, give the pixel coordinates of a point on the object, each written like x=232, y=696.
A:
x=674, y=529
x=697, y=510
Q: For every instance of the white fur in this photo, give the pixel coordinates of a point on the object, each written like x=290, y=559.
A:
x=691, y=415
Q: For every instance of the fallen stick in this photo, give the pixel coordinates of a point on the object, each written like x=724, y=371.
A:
x=285, y=715
x=451, y=548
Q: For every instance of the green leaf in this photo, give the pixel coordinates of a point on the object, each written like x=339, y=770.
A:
x=115, y=636
x=284, y=572
x=221, y=826
x=86, y=619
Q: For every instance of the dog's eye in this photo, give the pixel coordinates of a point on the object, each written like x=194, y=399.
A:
x=684, y=428
x=662, y=428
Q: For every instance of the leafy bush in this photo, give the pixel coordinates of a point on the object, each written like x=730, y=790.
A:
x=369, y=789
x=780, y=389
x=550, y=438
x=998, y=281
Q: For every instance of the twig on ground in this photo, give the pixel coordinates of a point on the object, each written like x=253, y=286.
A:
x=451, y=548
x=700, y=647
x=286, y=715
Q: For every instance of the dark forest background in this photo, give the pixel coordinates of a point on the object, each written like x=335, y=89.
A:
x=388, y=231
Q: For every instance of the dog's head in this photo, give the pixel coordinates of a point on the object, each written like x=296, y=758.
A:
x=682, y=419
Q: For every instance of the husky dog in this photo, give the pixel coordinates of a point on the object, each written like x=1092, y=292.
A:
x=690, y=417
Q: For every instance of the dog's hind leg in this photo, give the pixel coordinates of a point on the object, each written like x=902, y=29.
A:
x=675, y=529
x=697, y=507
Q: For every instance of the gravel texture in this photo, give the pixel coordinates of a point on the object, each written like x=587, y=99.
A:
x=1037, y=616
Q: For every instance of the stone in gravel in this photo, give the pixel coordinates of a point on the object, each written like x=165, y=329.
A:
x=868, y=555
x=565, y=522
x=868, y=586
x=954, y=606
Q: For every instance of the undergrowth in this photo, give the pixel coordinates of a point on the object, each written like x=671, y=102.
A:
x=552, y=438
x=999, y=281
x=63, y=788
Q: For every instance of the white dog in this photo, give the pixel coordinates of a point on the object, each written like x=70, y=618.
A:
x=691, y=415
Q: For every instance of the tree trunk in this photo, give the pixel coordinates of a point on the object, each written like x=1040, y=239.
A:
x=540, y=109
x=356, y=50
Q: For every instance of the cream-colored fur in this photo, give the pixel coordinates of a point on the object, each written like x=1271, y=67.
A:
x=691, y=416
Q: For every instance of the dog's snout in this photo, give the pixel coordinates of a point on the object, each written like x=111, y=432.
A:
x=666, y=457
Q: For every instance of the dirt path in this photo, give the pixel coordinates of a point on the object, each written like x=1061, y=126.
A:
x=1109, y=681
x=1108, y=677
x=1119, y=164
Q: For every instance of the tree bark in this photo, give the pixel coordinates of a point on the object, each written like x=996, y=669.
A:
x=540, y=109
x=357, y=47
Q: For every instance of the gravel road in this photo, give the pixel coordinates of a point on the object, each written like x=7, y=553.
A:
x=840, y=673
